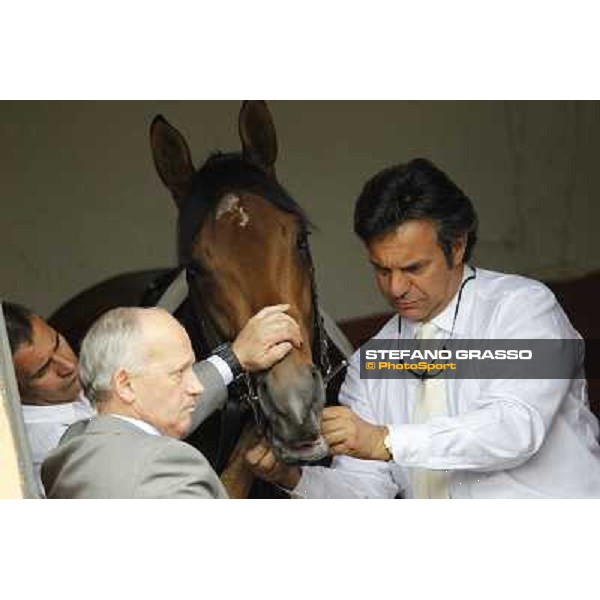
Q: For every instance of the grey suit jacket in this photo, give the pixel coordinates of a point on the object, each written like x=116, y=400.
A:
x=107, y=457
x=214, y=395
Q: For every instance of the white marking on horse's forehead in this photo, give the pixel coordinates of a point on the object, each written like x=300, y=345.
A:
x=231, y=204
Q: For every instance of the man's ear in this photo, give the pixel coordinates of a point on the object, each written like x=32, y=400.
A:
x=20, y=374
x=122, y=385
x=458, y=250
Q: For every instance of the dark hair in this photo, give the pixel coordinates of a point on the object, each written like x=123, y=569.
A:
x=416, y=190
x=18, y=325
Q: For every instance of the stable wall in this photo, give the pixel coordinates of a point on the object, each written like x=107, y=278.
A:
x=80, y=200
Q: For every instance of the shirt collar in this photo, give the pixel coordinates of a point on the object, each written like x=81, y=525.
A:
x=44, y=412
x=139, y=424
x=445, y=320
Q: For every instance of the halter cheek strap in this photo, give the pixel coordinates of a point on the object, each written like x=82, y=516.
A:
x=176, y=294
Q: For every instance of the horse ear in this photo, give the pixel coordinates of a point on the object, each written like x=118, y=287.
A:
x=257, y=132
x=172, y=158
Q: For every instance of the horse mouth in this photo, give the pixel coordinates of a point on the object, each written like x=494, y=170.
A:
x=302, y=452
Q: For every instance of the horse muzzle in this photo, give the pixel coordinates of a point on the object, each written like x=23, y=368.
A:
x=303, y=453
x=292, y=399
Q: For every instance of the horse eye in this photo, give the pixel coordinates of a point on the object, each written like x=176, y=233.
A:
x=302, y=243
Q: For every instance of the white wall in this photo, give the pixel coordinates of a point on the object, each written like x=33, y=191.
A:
x=80, y=199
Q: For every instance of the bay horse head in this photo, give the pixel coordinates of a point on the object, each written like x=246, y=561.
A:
x=243, y=240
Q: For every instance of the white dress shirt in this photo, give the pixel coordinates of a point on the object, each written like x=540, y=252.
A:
x=501, y=438
x=143, y=425
x=45, y=426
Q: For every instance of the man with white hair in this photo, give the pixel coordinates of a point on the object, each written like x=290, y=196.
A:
x=136, y=365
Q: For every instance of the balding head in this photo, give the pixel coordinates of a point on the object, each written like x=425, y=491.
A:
x=138, y=362
x=113, y=341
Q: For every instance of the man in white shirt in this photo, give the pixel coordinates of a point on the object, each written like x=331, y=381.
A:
x=47, y=371
x=444, y=437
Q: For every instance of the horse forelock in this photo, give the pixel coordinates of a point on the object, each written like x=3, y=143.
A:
x=227, y=172
x=224, y=173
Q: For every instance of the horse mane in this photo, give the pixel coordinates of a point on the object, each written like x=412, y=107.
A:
x=223, y=173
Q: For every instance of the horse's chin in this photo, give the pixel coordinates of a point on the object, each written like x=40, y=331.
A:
x=301, y=453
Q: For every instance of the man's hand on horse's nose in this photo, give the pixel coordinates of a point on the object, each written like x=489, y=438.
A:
x=266, y=338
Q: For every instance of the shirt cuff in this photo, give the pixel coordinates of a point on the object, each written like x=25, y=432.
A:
x=410, y=444
x=222, y=367
x=300, y=491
